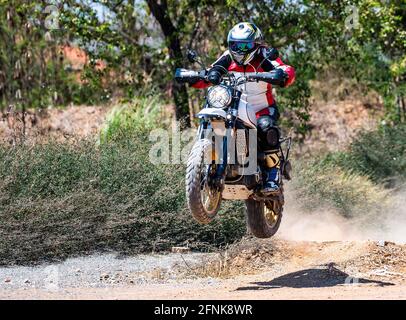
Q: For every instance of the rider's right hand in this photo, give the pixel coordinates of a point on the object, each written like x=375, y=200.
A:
x=214, y=76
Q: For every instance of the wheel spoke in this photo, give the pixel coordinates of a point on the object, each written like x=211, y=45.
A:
x=209, y=198
x=271, y=213
x=207, y=202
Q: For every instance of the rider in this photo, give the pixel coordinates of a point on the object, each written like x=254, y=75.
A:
x=245, y=55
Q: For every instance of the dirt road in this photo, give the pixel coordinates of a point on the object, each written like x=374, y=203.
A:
x=255, y=269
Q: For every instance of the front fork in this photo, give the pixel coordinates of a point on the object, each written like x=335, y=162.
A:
x=231, y=117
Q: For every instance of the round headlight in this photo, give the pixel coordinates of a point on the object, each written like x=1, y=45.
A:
x=219, y=96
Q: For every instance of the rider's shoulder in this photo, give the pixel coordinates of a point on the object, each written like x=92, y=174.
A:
x=224, y=58
x=225, y=54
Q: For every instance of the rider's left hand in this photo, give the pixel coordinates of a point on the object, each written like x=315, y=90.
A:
x=279, y=76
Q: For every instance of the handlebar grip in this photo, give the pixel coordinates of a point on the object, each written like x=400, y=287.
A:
x=275, y=77
x=184, y=75
x=266, y=77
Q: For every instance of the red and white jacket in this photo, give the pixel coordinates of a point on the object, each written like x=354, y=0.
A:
x=258, y=95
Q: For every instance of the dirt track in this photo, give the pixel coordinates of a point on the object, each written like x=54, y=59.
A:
x=256, y=269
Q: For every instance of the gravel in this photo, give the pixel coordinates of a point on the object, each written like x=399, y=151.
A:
x=100, y=270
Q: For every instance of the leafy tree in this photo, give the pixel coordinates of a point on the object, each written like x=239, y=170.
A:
x=142, y=42
x=32, y=73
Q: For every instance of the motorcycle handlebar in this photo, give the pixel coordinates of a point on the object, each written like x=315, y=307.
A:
x=185, y=75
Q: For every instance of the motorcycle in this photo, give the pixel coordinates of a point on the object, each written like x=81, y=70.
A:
x=225, y=163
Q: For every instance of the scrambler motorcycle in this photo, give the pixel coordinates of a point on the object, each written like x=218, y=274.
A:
x=225, y=162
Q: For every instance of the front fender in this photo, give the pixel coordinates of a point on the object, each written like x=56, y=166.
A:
x=212, y=113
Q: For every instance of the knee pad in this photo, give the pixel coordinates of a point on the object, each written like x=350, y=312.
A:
x=268, y=131
x=272, y=137
x=264, y=123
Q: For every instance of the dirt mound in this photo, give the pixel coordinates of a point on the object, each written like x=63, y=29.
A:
x=381, y=259
x=368, y=260
x=248, y=256
x=335, y=123
x=60, y=124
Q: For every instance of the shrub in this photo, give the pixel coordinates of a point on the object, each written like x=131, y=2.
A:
x=354, y=181
x=320, y=183
x=140, y=115
x=58, y=200
x=380, y=154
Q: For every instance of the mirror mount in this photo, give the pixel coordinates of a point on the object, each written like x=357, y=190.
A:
x=272, y=54
x=193, y=57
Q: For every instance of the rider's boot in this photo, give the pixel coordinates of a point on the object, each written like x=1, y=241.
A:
x=271, y=174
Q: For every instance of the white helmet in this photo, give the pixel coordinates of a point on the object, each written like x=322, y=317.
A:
x=244, y=40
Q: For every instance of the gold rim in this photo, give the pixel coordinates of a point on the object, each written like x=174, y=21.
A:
x=210, y=199
x=271, y=214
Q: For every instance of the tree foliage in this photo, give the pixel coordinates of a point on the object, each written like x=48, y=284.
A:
x=142, y=42
x=31, y=69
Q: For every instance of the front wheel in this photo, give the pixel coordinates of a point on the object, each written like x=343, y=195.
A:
x=202, y=199
x=263, y=217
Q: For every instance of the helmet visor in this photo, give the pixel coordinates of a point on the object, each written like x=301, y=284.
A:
x=242, y=47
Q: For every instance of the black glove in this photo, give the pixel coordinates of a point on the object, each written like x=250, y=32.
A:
x=214, y=76
x=279, y=77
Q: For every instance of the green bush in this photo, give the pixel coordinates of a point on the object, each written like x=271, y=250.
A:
x=141, y=114
x=380, y=154
x=356, y=181
x=319, y=183
x=58, y=200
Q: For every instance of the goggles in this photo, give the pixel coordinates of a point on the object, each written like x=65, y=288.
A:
x=242, y=47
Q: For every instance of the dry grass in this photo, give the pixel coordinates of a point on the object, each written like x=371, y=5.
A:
x=247, y=256
x=59, y=200
x=318, y=184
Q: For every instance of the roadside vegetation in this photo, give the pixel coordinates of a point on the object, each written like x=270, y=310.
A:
x=59, y=199
x=63, y=199
x=77, y=197
x=359, y=180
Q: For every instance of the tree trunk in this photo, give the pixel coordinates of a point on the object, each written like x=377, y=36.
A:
x=159, y=9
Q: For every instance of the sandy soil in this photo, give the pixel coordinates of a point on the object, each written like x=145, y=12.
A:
x=257, y=269
x=61, y=124
x=334, y=124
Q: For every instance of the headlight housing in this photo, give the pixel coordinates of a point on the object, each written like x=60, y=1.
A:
x=219, y=96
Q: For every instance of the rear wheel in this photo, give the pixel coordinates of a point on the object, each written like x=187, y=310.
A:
x=202, y=199
x=263, y=217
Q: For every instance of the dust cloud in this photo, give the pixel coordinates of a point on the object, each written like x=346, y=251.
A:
x=326, y=224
